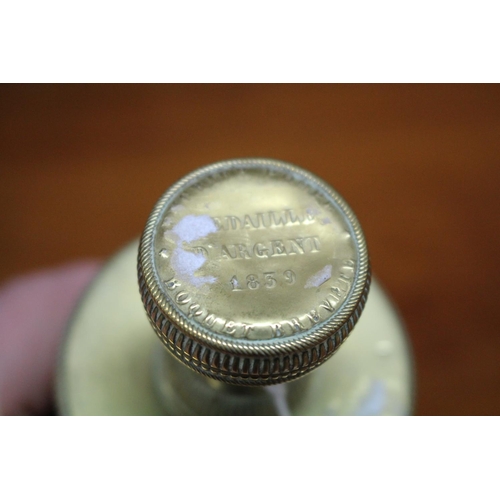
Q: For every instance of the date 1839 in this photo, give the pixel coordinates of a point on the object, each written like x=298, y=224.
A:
x=262, y=280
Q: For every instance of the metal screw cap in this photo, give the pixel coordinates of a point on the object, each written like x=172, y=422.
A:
x=253, y=271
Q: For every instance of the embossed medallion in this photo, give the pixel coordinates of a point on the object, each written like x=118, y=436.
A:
x=253, y=271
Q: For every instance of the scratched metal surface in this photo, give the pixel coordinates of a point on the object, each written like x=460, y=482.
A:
x=81, y=167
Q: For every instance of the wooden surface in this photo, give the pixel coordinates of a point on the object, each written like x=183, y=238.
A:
x=82, y=166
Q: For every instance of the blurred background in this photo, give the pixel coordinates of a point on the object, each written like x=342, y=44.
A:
x=82, y=165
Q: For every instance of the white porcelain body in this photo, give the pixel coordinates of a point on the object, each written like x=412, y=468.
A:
x=112, y=363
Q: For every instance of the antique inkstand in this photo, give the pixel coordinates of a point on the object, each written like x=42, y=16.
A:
x=253, y=273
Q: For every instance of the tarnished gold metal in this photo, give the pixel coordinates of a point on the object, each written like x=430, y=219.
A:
x=253, y=271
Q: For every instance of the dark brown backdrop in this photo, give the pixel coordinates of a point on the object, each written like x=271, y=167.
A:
x=81, y=167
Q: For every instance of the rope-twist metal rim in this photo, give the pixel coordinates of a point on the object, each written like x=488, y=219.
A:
x=242, y=361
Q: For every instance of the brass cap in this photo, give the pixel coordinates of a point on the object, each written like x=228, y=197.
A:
x=253, y=271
